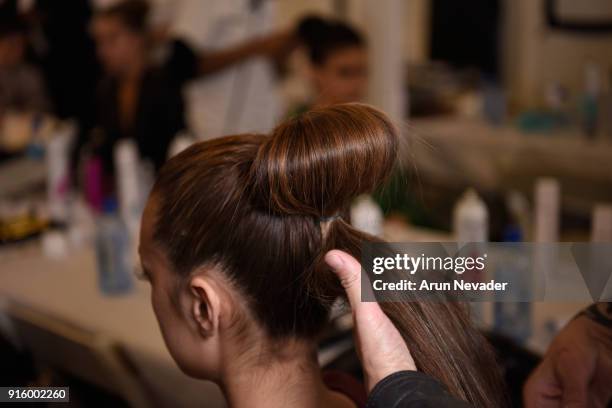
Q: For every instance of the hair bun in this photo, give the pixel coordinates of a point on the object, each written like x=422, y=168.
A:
x=317, y=163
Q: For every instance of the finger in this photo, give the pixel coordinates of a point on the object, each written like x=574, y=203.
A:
x=574, y=372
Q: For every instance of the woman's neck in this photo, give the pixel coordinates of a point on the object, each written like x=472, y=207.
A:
x=291, y=380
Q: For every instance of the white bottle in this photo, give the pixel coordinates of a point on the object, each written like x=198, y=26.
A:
x=600, y=254
x=547, y=210
x=470, y=219
x=471, y=225
x=367, y=216
x=546, y=232
x=127, y=181
x=180, y=142
x=58, y=182
x=601, y=224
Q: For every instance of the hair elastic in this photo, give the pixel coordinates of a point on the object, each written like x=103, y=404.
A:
x=329, y=218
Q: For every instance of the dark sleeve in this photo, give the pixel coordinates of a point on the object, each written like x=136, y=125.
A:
x=411, y=389
x=86, y=124
x=164, y=118
x=181, y=64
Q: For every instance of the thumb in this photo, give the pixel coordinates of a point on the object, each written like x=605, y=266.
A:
x=348, y=271
x=381, y=347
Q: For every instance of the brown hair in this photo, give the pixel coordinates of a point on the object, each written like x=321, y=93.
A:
x=252, y=204
x=324, y=37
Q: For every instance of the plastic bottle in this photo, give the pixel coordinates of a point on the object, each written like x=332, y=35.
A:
x=547, y=214
x=601, y=225
x=590, y=100
x=471, y=225
x=57, y=175
x=512, y=311
x=547, y=210
x=520, y=214
x=180, y=142
x=113, y=252
x=367, y=216
x=470, y=219
x=130, y=198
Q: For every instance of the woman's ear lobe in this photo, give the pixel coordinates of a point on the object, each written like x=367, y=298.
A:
x=205, y=306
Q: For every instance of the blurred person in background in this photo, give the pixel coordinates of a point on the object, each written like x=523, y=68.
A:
x=60, y=45
x=63, y=48
x=22, y=88
x=243, y=97
x=141, y=98
x=338, y=59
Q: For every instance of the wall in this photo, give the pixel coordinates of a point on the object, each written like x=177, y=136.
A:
x=536, y=55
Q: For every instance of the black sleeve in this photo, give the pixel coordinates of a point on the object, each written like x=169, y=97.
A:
x=411, y=389
x=163, y=118
x=182, y=62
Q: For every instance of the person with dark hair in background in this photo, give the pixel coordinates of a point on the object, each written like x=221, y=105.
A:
x=233, y=241
x=143, y=101
x=338, y=60
x=22, y=88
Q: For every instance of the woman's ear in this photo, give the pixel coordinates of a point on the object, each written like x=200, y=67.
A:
x=205, y=305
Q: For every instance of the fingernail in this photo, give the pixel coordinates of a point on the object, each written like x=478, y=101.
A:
x=334, y=260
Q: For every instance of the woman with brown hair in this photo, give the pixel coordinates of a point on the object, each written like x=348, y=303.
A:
x=141, y=97
x=233, y=241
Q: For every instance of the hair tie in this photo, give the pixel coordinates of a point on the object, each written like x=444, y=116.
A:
x=325, y=222
x=329, y=218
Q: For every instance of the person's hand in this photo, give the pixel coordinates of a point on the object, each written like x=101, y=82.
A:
x=278, y=45
x=576, y=370
x=380, y=347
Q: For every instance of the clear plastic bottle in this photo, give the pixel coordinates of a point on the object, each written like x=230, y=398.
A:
x=513, y=314
x=113, y=252
x=471, y=229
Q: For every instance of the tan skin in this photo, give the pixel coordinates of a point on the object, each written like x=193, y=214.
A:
x=211, y=335
x=576, y=371
x=342, y=77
